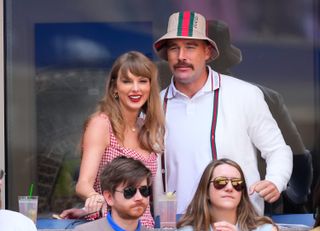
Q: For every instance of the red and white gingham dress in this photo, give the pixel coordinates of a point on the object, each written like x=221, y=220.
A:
x=114, y=150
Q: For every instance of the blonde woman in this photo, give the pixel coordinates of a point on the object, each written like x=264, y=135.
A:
x=221, y=202
x=128, y=122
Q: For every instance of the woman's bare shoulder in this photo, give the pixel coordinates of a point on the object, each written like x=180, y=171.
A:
x=98, y=118
x=97, y=125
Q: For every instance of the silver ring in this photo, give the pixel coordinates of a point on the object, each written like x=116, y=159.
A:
x=100, y=201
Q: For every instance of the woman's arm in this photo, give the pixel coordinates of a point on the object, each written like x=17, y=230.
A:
x=95, y=140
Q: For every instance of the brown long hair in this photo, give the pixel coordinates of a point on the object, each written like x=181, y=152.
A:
x=198, y=212
x=152, y=131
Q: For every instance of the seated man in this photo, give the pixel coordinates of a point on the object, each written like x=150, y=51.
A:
x=126, y=187
x=11, y=221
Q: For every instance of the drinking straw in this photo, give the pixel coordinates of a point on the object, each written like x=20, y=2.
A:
x=31, y=190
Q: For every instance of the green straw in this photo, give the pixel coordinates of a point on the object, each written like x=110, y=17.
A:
x=31, y=190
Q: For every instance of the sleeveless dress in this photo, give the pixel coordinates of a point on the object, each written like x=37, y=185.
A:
x=114, y=150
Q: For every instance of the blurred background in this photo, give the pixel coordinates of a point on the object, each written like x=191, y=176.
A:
x=58, y=54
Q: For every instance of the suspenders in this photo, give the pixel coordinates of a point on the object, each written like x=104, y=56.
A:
x=213, y=129
x=214, y=123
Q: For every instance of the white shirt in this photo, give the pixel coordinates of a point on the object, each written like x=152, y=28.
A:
x=244, y=122
x=14, y=221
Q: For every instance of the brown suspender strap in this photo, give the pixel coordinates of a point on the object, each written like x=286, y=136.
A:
x=213, y=130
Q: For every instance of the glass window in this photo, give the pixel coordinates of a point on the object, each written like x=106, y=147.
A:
x=58, y=54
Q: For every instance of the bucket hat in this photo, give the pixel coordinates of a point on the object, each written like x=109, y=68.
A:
x=185, y=25
x=230, y=55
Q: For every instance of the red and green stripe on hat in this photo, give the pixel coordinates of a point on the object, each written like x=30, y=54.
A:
x=185, y=24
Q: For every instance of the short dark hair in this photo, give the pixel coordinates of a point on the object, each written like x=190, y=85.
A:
x=124, y=170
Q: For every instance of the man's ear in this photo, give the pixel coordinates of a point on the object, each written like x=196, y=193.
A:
x=108, y=197
x=210, y=52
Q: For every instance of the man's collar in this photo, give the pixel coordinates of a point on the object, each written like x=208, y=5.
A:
x=116, y=227
x=212, y=83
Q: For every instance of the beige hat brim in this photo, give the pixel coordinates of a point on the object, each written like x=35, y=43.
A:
x=160, y=45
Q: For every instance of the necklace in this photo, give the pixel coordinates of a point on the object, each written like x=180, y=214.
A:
x=133, y=128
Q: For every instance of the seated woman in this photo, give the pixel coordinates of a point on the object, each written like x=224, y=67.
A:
x=221, y=202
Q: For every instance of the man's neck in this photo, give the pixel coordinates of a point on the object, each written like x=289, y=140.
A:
x=190, y=89
x=126, y=224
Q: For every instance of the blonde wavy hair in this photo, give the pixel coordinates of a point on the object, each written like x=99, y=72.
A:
x=198, y=212
x=151, y=133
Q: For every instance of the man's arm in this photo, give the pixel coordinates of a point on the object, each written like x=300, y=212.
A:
x=268, y=138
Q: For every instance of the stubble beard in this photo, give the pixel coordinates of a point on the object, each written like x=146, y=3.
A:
x=133, y=212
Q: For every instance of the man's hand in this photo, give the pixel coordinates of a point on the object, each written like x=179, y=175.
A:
x=266, y=189
x=73, y=213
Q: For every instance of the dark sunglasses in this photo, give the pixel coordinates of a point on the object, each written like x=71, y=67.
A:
x=129, y=192
x=221, y=182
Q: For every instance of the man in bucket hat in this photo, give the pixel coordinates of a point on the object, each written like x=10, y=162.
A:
x=211, y=116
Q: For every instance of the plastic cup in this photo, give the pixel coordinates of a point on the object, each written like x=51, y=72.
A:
x=28, y=206
x=167, y=205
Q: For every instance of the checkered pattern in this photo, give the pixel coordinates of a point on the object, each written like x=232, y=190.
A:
x=114, y=150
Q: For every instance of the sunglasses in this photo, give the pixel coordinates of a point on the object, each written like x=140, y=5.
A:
x=221, y=182
x=129, y=192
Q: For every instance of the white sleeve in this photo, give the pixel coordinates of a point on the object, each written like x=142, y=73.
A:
x=12, y=221
x=268, y=138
